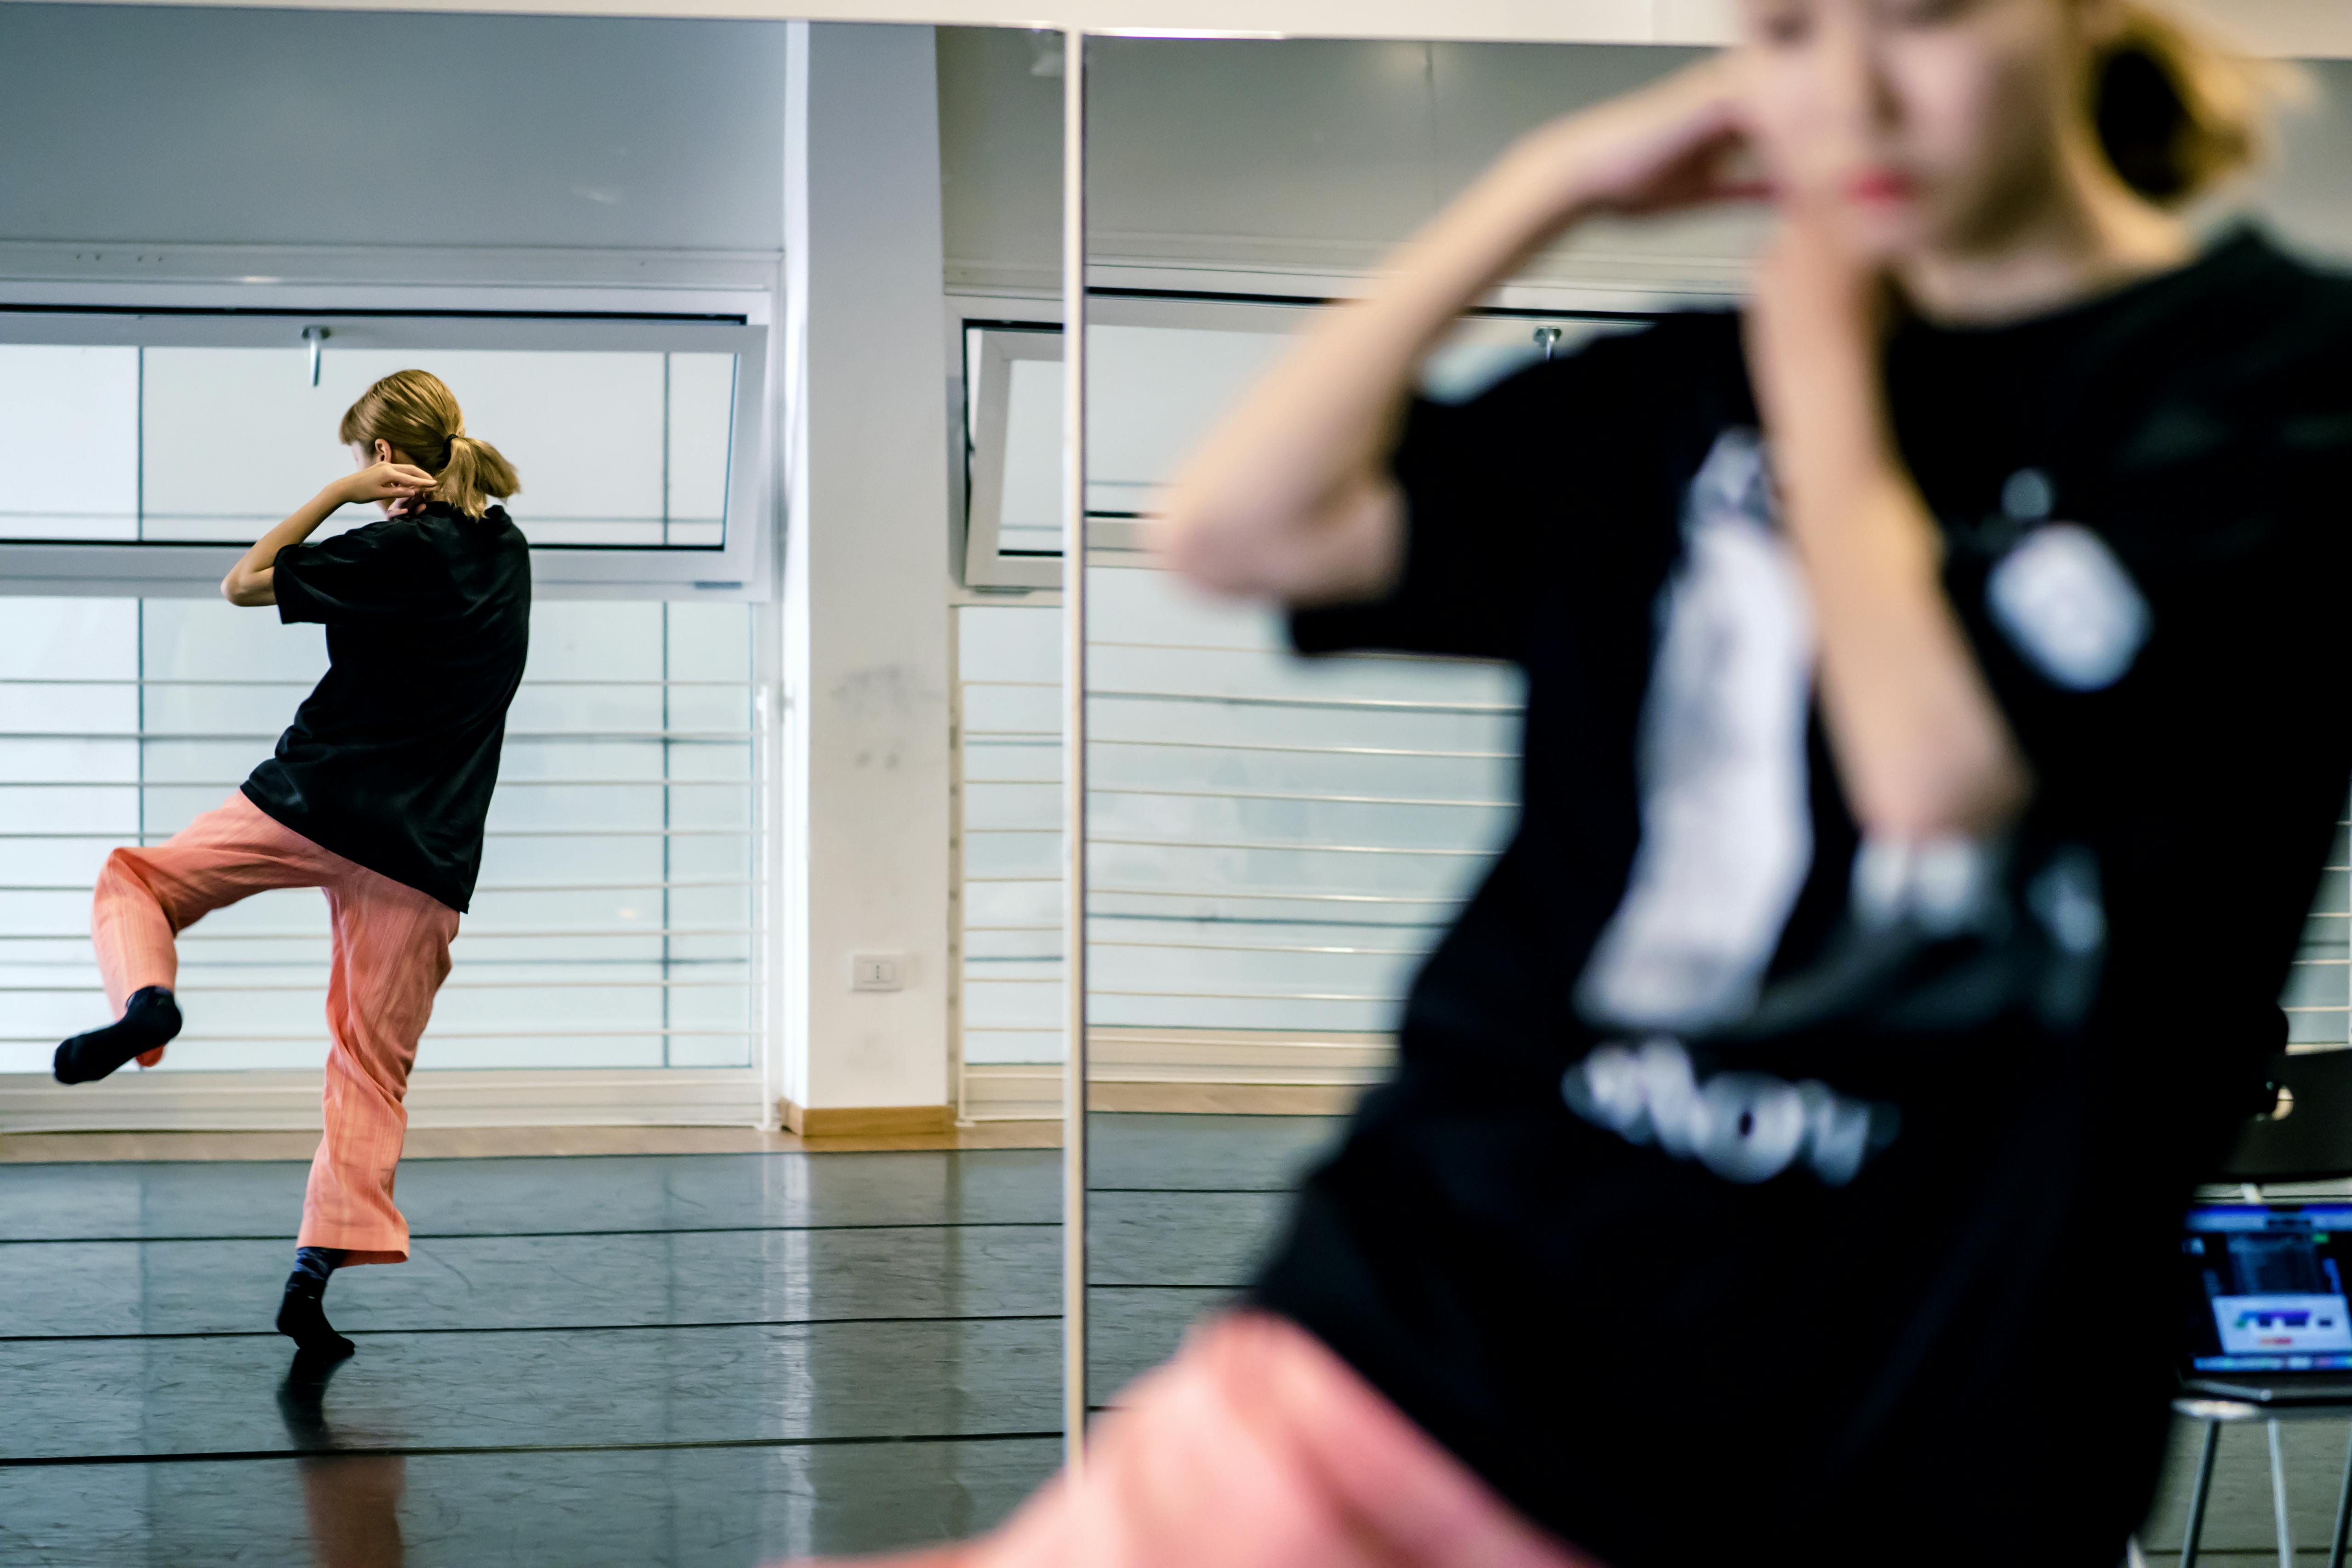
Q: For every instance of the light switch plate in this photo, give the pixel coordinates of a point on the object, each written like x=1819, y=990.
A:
x=877, y=972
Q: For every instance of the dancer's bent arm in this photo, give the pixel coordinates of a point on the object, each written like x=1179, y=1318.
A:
x=1291, y=499
x=249, y=581
x=1922, y=748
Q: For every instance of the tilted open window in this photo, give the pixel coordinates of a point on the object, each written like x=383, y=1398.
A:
x=1164, y=370
x=151, y=448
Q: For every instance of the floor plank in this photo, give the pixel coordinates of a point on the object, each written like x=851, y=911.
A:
x=144, y=1398
x=168, y=1287
x=541, y=1384
x=445, y=1198
x=450, y=1197
x=700, y=1508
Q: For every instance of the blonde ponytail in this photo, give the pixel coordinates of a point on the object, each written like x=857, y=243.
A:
x=415, y=412
x=2176, y=112
x=472, y=474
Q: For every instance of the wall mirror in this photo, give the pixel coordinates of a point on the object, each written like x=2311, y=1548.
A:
x=1271, y=846
x=218, y=225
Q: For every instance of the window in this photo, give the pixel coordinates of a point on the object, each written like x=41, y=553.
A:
x=618, y=921
x=1163, y=371
x=2319, y=985
x=152, y=447
x=1273, y=845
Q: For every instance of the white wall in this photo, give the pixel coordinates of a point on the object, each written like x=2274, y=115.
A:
x=866, y=569
x=237, y=127
x=1317, y=156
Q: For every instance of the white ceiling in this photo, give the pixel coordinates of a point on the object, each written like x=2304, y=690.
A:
x=2309, y=28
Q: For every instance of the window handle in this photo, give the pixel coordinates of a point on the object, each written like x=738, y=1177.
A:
x=315, y=336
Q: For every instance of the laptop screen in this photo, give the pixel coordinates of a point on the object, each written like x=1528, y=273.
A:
x=2266, y=1287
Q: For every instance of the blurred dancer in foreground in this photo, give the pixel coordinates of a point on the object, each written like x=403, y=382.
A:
x=1800, y=1115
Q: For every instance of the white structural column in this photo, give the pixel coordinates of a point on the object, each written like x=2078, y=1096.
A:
x=1074, y=743
x=865, y=764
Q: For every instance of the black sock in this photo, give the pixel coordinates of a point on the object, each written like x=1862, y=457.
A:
x=150, y=1018
x=302, y=1315
x=313, y=1264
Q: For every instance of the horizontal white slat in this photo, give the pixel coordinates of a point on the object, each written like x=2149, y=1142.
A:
x=191, y=1100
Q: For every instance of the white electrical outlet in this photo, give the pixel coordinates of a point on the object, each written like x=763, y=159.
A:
x=877, y=972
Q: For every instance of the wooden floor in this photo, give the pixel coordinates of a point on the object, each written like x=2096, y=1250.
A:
x=665, y=1359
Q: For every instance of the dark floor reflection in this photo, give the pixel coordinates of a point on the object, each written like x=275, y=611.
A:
x=351, y=1502
x=690, y=1362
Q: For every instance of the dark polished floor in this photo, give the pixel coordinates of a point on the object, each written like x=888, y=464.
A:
x=712, y=1360
x=705, y=1360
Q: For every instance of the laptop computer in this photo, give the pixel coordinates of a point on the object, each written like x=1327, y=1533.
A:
x=2264, y=1287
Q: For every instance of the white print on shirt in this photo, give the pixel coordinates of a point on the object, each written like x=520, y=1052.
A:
x=1727, y=829
x=1743, y=1126
x=2061, y=596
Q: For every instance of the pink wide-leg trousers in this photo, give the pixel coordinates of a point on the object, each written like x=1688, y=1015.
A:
x=1257, y=1447
x=391, y=954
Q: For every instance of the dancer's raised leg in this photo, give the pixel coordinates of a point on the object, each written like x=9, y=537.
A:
x=146, y=897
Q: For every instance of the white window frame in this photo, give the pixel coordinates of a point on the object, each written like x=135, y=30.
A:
x=1010, y=336
x=738, y=315
x=714, y=322
x=986, y=563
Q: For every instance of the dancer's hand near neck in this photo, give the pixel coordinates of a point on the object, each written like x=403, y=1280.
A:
x=391, y=477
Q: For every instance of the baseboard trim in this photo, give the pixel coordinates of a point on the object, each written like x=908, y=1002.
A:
x=867, y=1121
x=1227, y=1099
x=191, y=1100
x=1238, y=1072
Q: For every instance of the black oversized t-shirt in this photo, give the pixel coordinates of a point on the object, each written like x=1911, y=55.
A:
x=391, y=761
x=1963, y=1348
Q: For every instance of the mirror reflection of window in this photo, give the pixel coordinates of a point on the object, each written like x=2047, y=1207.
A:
x=1156, y=391
x=1275, y=844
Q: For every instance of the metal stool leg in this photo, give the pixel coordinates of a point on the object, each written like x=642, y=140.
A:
x=2192, y=1530
x=2343, y=1514
x=2278, y=1499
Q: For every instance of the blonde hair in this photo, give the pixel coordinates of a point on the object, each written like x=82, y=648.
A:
x=2177, y=112
x=415, y=412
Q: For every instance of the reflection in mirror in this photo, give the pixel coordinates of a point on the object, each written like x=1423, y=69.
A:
x=632, y=1317
x=1273, y=845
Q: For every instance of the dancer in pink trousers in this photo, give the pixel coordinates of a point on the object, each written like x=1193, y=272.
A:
x=377, y=797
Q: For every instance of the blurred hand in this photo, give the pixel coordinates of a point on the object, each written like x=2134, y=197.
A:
x=1665, y=147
